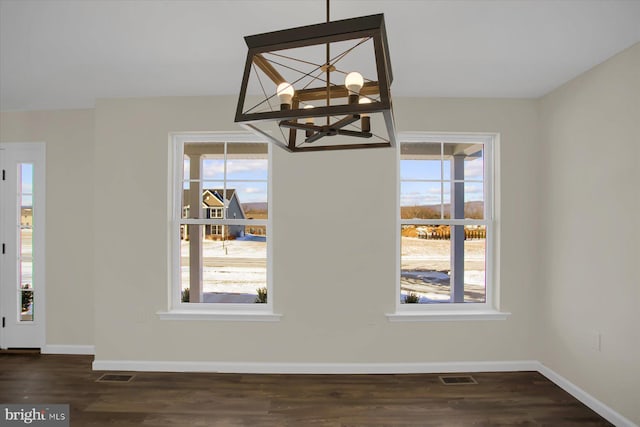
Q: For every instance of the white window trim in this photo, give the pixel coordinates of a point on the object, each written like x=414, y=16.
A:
x=490, y=309
x=177, y=310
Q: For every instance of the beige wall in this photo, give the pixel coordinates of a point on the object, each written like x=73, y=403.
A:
x=332, y=290
x=590, y=232
x=69, y=223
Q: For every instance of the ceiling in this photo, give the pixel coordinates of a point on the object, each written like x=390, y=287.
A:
x=66, y=54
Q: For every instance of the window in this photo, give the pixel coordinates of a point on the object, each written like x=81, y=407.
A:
x=220, y=224
x=25, y=188
x=215, y=213
x=446, y=226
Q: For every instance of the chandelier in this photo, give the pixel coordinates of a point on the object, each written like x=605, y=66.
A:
x=320, y=87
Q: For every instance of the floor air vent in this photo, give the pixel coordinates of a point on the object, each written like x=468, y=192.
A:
x=457, y=379
x=114, y=378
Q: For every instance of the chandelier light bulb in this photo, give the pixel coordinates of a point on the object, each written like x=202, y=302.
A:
x=365, y=120
x=309, y=121
x=285, y=93
x=364, y=100
x=354, y=82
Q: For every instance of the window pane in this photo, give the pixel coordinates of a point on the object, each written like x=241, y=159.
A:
x=250, y=169
x=186, y=164
x=185, y=259
x=446, y=199
x=421, y=169
x=474, y=200
x=475, y=263
x=26, y=178
x=185, y=205
x=420, y=200
x=212, y=169
x=247, y=161
x=474, y=167
x=421, y=150
x=26, y=274
x=210, y=199
x=471, y=153
x=215, y=149
x=468, y=200
x=234, y=267
x=234, y=270
x=446, y=168
x=26, y=243
x=26, y=306
x=213, y=200
x=247, y=150
x=252, y=197
x=425, y=264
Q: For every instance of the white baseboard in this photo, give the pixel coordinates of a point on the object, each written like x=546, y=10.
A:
x=68, y=349
x=364, y=368
x=597, y=406
x=312, y=368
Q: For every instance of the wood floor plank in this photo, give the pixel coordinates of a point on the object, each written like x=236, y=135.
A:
x=202, y=399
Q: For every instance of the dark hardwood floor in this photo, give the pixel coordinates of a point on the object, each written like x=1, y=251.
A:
x=195, y=399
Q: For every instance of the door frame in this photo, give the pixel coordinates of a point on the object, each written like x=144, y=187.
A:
x=28, y=152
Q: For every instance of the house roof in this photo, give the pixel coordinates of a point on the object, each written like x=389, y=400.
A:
x=215, y=193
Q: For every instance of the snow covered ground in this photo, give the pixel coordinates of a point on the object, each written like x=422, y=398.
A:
x=234, y=266
x=239, y=266
x=426, y=265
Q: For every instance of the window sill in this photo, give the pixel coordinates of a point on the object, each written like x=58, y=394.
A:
x=446, y=315
x=237, y=316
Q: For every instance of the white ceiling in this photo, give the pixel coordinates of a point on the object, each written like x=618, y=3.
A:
x=65, y=54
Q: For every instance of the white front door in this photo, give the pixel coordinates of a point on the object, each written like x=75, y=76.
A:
x=22, y=196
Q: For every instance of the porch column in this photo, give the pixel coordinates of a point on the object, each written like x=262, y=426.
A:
x=457, y=231
x=195, y=231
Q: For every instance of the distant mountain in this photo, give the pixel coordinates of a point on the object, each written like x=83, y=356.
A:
x=469, y=207
x=255, y=207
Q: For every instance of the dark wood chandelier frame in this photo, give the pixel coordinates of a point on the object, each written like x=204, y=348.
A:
x=367, y=27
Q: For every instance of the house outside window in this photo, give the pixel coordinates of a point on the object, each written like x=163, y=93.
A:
x=219, y=261
x=446, y=227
